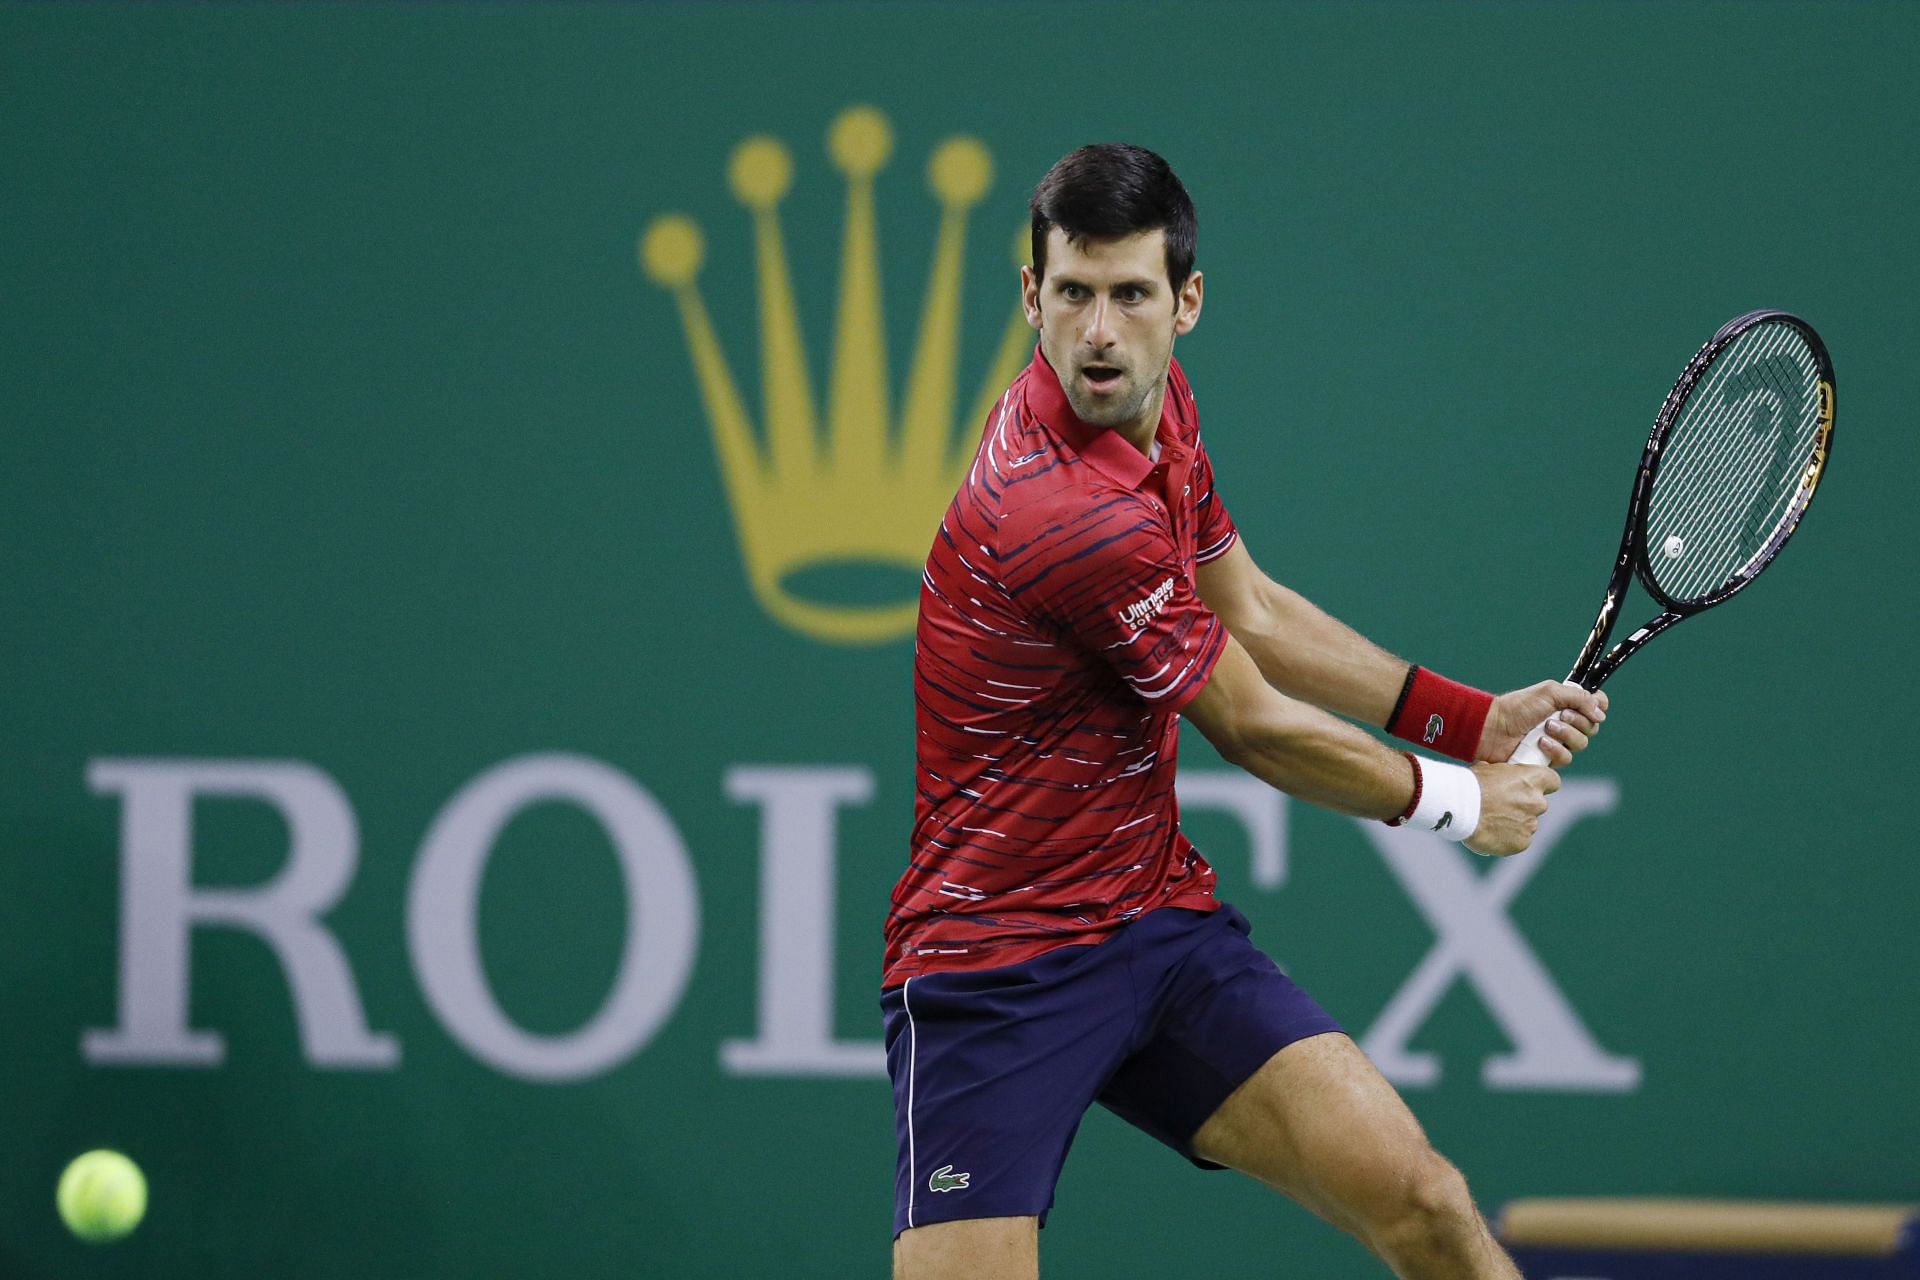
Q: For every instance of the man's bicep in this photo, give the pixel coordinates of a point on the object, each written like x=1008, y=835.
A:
x=1233, y=587
x=1220, y=710
x=1237, y=707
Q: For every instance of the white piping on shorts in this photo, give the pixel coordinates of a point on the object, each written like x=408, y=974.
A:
x=913, y=1049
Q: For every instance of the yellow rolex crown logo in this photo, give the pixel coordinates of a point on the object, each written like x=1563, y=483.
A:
x=869, y=489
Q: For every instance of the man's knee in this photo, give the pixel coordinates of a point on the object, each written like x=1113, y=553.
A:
x=1428, y=1210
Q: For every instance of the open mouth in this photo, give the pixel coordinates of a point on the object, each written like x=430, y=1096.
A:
x=1100, y=376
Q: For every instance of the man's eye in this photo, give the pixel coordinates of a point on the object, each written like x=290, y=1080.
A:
x=1073, y=292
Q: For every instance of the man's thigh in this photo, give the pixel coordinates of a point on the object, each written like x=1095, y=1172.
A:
x=1320, y=1124
x=1220, y=1010
x=971, y=1249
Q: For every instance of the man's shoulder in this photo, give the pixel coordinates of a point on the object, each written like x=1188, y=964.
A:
x=1083, y=533
x=1027, y=479
x=1077, y=495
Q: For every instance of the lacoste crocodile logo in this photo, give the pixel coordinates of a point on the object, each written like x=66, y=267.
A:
x=1434, y=725
x=945, y=1179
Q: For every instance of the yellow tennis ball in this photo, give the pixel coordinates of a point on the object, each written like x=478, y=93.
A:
x=102, y=1196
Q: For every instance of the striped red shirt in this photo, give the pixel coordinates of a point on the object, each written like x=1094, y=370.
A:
x=1059, y=636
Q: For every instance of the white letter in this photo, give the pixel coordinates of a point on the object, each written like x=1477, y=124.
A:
x=796, y=925
x=159, y=907
x=1477, y=940
x=663, y=914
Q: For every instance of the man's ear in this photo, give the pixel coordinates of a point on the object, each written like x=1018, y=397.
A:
x=1186, y=313
x=1030, y=296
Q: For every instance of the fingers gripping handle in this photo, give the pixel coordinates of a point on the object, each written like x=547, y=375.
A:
x=1529, y=752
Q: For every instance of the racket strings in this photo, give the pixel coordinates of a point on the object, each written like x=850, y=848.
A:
x=1732, y=462
x=1702, y=451
x=1723, y=520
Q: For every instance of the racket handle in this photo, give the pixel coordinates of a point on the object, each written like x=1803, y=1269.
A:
x=1529, y=752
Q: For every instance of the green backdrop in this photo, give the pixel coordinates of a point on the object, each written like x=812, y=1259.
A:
x=355, y=475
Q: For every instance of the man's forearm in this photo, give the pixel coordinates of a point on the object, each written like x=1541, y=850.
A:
x=1308, y=654
x=1311, y=755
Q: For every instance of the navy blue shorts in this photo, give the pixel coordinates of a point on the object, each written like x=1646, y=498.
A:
x=993, y=1069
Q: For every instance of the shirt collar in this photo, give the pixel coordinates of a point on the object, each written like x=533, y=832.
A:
x=1106, y=449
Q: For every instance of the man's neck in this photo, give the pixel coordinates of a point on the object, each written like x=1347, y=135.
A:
x=1140, y=432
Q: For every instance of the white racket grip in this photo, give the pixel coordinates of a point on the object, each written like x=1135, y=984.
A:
x=1529, y=752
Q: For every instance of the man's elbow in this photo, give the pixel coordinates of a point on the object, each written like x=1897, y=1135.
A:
x=1262, y=738
x=1236, y=731
x=1231, y=746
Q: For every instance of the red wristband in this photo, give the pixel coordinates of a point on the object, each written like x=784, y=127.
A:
x=1419, y=785
x=1435, y=712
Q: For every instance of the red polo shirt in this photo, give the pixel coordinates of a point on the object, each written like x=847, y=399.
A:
x=1059, y=636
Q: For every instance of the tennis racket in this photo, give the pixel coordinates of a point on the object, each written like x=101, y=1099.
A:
x=1735, y=456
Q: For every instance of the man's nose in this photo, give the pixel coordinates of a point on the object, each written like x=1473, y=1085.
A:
x=1099, y=327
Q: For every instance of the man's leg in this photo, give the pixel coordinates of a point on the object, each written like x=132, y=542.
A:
x=1320, y=1124
x=972, y=1249
x=992, y=1071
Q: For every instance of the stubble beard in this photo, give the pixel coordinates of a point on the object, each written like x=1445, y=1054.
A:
x=1108, y=412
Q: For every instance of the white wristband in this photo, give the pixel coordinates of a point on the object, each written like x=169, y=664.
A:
x=1449, y=800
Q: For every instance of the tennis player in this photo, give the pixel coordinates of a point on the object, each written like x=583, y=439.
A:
x=1056, y=941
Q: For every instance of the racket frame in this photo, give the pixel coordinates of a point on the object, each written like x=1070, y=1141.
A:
x=1596, y=662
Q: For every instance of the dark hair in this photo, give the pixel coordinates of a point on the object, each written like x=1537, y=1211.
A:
x=1111, y=190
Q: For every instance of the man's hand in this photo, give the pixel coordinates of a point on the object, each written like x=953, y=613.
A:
x=1512, y=798
x=1513, y=716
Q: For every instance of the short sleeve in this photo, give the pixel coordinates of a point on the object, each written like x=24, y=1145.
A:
x=1109, y=575
x=1214, y=531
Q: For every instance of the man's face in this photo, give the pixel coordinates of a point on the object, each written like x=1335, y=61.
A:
x=1107, y=320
